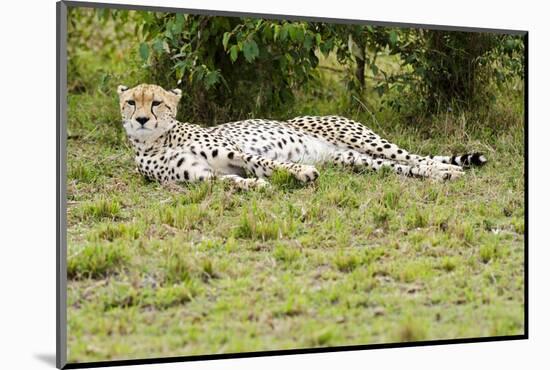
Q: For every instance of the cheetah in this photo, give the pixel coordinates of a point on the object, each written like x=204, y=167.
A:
x=169, y=151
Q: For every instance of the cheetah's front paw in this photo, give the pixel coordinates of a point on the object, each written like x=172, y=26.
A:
x=253, y=183
x=446, y=175
x=261, y=183
x=306, y=173
x=438, y=173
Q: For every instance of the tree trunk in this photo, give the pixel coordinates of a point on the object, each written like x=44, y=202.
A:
x=360, y=69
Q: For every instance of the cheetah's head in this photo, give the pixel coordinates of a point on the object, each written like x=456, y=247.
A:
x=147, y=110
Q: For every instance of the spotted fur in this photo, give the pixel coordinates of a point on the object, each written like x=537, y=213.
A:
x=170, y=151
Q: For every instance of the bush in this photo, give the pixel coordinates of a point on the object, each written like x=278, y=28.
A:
x=451, y=69
x=98, y=43
x=228, y=67
x=438, y=69
x=231, y=68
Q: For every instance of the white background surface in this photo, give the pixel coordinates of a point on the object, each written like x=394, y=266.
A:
x=27, y=183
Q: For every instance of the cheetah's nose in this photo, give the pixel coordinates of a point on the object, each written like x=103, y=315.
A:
x=142, y=120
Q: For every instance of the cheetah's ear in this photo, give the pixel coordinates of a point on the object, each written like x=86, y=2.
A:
x=121, y=88
x=176, y=92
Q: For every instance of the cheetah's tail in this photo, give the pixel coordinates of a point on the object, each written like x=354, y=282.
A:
x=464, y=160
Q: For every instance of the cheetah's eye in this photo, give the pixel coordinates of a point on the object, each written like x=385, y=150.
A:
x=156, y=103
x=131, y=102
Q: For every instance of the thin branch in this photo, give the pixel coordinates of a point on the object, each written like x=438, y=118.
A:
x=332, y=69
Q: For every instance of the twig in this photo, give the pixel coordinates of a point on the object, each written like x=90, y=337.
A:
x=372, y=114
x=89, y=134
x=332, y=69
x=111, y=158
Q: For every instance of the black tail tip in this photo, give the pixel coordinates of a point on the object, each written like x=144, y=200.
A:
x=478, y=159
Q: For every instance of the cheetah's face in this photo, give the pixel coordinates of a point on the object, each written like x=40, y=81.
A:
x=147, y=110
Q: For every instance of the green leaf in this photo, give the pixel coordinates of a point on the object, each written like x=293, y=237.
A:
x=289, y=58
x=308, y=42
x=178, y=24
x=157, y=45
x=144, y=51
x=198, y=73
x=393, y=38
x=509, y=44
x=299, y=34
x=168, y=31
x=226, y=37
x=212, y=78
x=182, y=66
x=292, y=32
x=250, y=50
x=267, y=32
x=282, y=63
x=233, y=53
x=276, y=30
x=284, y=31
x=103, y=14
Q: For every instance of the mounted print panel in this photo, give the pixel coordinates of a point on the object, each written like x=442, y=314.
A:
x=241, y=185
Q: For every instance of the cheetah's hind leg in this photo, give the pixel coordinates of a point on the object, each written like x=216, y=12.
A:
x=349, y=134
x=359, y=160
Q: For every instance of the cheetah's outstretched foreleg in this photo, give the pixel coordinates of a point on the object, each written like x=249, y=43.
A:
x=245, y=183
x=264, y=167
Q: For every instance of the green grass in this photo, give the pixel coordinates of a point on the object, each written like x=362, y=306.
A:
x=355, y=258
x=97, y=261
